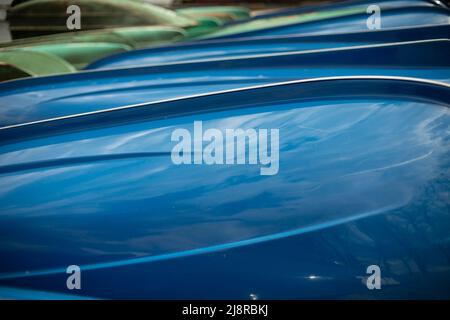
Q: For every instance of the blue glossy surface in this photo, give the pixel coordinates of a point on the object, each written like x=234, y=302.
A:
x=411, y=16
x=235, y=48
x=48, y=97
x=383, y=4
x=363, y=176
x=363, y=180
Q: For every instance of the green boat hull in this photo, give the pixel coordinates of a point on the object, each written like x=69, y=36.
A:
x=18, y=63
x=43, y=17
x=80, y=54
x=78, y=49
x=223, y=13
x=10, y=72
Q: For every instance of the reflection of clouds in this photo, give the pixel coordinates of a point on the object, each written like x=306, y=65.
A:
x=130, y=139
x=106, y=92
x=149, y=140
x=152, y=206
x=50, y=151
x=10, y=183
x=137, y=177
x=394, y=165
x=46, y=203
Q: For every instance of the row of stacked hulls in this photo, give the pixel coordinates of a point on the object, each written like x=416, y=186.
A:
x=115, y=154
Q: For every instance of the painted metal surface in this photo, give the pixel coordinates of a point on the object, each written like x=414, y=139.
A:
x=362, y=180
x=235, y=48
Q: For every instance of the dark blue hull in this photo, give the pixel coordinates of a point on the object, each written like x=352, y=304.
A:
x=362, y=180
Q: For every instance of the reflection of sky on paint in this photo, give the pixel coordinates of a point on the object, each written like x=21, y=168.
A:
x=88, y=95
x=358, y=23
x=108, y=89
x=336, y=161
x=143, y=57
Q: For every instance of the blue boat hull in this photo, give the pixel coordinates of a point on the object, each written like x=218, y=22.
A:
x=362, y=180
x=402, y=17
x=58, y=96
x=345, y=167
x=237, y=48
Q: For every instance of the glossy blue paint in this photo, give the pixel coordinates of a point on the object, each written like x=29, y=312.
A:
x=363, y=180
x=383, y=4
x=86, y=175
x=237, y=48
x=37, y=99
x=411, y=16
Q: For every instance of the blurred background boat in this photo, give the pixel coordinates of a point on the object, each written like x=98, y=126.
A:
x=113, y=26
